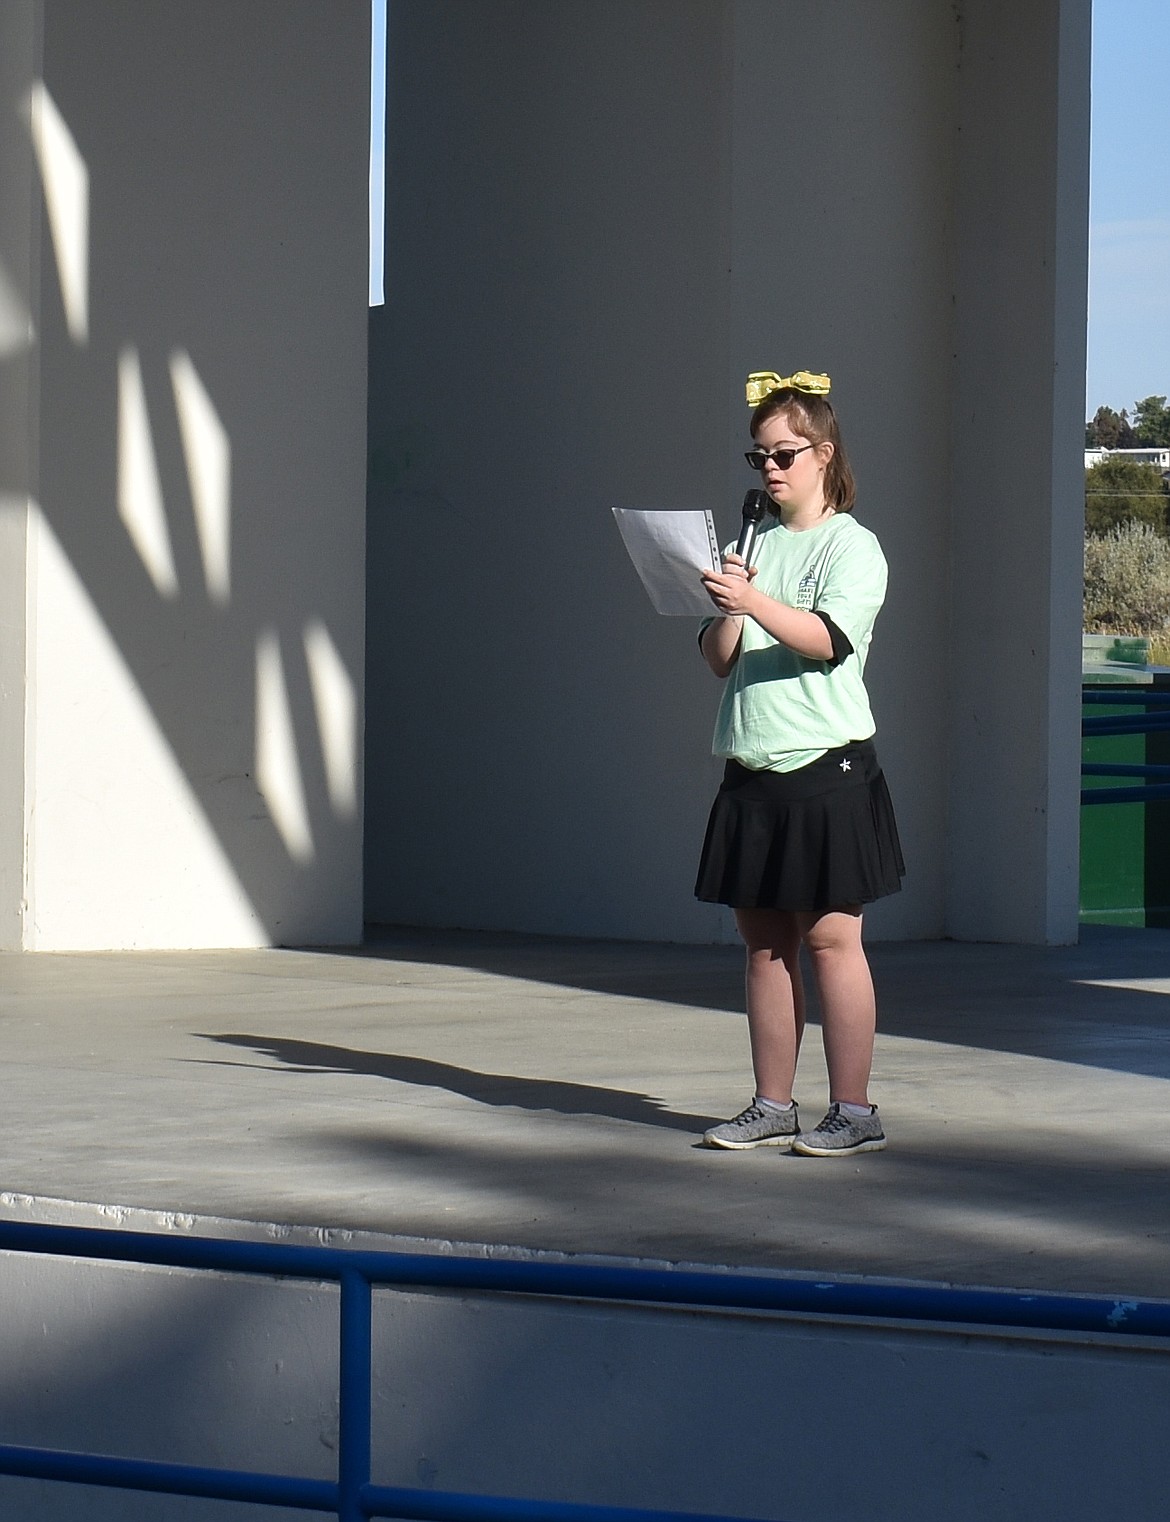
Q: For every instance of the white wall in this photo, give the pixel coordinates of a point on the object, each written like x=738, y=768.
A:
x=599, y=219
x=1018, y=510
x=195, y=571
x=612, y=1405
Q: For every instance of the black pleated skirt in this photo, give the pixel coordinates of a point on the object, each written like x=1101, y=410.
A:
x=816, y=838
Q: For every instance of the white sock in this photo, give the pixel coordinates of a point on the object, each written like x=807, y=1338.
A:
x=773, y=1104
x=856, y=1109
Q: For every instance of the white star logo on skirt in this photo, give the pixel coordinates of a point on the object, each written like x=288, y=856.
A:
x=844, y=766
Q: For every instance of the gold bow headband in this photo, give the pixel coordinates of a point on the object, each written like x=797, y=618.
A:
x=761, y=384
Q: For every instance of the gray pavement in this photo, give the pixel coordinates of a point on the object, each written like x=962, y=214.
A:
x=548, y=1094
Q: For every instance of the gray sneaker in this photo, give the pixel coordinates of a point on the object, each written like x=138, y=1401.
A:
x=757, y=1126
x=840, y=1133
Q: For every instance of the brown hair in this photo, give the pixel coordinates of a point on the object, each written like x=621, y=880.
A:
x=814, y=419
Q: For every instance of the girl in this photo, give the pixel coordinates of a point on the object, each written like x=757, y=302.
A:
x=802, y=831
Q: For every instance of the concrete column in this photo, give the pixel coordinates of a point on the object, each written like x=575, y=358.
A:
x=1017, y=519
x=554, y=343
x=195, y=559
x=842, y=172
x=19, y=50
x=599, y=221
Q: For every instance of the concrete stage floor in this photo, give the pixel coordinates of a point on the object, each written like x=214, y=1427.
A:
x=548, y=1094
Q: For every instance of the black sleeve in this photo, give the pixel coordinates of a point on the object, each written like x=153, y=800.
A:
x=841, y=645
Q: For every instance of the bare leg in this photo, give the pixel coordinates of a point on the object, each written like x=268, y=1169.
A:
x=848, y=1010
x=775, y=997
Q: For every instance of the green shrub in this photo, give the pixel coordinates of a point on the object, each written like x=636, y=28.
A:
x=1127, y=581
x=1118, y=490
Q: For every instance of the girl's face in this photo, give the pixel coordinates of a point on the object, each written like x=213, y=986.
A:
x=801, y=485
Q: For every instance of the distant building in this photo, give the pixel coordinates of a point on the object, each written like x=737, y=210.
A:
x=1158, y=457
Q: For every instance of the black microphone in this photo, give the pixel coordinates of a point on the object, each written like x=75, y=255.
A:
x=755, y=507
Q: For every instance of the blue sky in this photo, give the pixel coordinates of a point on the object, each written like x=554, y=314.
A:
x=377, y=150
x=1129, y=239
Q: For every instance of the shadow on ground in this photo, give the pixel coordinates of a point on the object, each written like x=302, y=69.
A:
x=1034, y=1212
x=498, y=1089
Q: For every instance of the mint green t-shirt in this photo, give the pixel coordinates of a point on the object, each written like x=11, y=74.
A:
x=778, y=710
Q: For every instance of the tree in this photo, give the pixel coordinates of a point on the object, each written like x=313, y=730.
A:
x=1109, y=430
x=1152, y=423
x=1119, y=490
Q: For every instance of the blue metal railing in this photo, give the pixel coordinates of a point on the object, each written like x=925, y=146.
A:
x=353, y=1497
x=1155, y=720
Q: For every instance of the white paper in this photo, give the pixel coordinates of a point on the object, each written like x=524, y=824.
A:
x=669, y=549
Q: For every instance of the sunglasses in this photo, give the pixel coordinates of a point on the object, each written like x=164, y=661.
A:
x=781, y=458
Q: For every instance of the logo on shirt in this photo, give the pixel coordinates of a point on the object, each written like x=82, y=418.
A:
x=806, y=590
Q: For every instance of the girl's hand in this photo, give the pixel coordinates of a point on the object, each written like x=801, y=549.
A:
x=731, y=590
